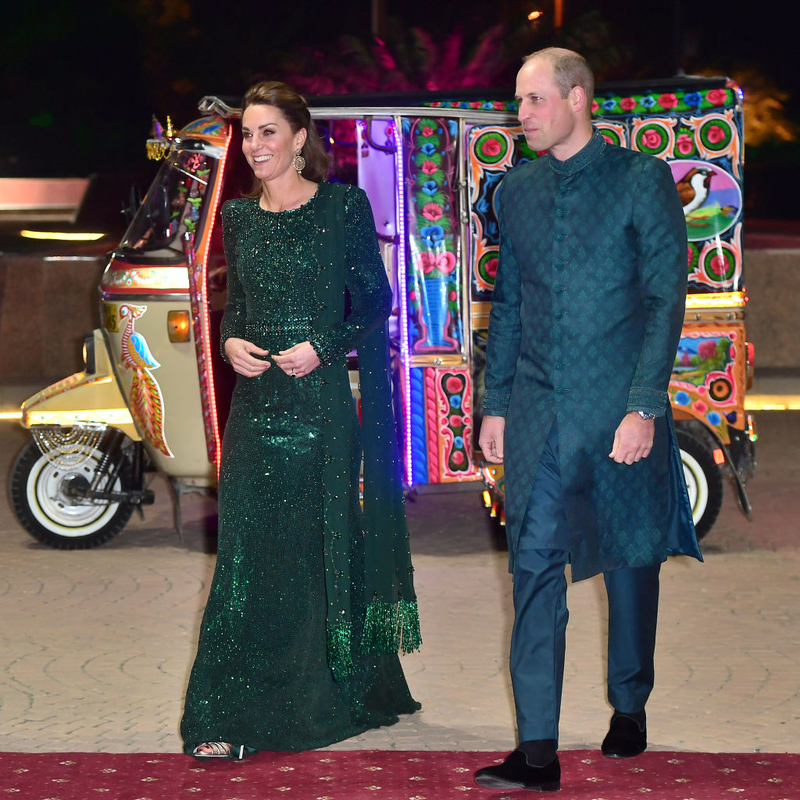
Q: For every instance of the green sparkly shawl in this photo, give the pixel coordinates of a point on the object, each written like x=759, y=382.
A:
x=390, y=623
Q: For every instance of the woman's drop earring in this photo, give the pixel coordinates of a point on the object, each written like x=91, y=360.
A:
x=298, y=162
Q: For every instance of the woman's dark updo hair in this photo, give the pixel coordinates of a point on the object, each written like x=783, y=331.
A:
x=295, y=111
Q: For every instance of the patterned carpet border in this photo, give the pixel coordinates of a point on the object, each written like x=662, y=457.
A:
x=390, y=775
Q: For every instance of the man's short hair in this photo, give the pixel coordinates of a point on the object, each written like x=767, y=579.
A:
x=569, y=69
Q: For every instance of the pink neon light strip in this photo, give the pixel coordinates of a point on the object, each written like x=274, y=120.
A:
x=401, y=275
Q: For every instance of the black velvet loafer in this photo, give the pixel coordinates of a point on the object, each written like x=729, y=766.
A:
x=626, y=737
x=516, y=773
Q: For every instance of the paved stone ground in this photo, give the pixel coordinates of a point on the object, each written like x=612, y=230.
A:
x=95, y=646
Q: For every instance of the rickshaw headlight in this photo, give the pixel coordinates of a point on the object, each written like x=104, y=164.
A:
x=178, y=327
x=88, y=354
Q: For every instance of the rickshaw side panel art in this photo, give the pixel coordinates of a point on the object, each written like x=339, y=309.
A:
x=145, y=399
x=439, y=402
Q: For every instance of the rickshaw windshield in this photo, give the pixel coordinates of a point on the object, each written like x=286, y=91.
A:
x=175, y=203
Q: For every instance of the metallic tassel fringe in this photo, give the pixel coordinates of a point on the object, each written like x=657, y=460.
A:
x=340, y=655
x=391, y=627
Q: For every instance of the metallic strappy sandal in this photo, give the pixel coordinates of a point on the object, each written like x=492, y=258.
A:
x=220, y=750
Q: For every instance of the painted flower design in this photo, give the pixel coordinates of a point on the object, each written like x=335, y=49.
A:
x=700, y=406
x=668, y=101
x=718, y=265
x=431, y=236
x=717, y=97
x=429, y=167
x=491, y=267
x=693, y=99
x=492, y=147
x=609, y=105
x=453, y=384
x=648, y=101
x=651, y=139
x=430, y=188
x=445, y=262
x=456, y=421
x=713, y=418
x=432, y=212
x=685, y=144
x=682, y=398
x=715, y=134
x=427, y=130
x=428, y=148
x=627, y=103
x=595, y=106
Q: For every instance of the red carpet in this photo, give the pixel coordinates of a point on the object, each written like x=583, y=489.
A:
x=389, y=775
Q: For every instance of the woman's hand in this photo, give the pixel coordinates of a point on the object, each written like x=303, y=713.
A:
x=298, y=361
x=242, y=356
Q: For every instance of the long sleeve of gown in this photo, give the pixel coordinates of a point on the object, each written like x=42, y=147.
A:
x=370, y=294
x=234, y=319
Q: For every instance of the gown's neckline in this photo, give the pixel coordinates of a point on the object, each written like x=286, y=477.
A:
x=284, y=211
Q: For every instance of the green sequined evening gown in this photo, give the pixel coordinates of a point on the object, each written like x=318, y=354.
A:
x=261, y=676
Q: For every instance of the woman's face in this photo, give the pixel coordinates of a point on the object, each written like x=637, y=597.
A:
x=268, y=143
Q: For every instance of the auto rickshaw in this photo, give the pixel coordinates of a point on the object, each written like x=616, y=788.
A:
x=154, y=392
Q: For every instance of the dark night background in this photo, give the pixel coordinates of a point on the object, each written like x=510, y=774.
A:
x=81, y=79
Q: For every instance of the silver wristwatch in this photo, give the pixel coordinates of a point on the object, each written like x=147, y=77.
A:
x=646, y=415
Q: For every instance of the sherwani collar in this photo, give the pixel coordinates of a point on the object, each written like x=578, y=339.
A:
x=574, y=164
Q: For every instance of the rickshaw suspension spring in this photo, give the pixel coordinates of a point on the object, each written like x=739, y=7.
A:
x=102, y=472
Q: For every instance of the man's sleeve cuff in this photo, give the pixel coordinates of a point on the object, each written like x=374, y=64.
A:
x=495, y=402
x=651, y=401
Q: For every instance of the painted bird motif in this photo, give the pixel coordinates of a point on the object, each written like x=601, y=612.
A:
x=693, y=188
x=145, y=400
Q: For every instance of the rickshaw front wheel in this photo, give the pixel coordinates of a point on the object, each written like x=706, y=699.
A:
x=48, y=498
x=703, y=482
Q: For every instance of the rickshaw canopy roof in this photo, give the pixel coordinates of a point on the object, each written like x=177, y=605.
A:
x=413, y=103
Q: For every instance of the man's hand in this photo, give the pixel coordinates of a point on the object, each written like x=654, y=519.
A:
x=298, y=361
x=241, y=355
x=491, y=438
x=633, y=439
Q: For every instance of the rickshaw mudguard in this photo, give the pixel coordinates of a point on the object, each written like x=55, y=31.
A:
x=82, y=397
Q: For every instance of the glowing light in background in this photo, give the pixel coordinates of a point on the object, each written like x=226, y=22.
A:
x=58, y=236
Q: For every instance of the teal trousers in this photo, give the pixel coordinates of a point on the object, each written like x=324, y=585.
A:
x=538, y=640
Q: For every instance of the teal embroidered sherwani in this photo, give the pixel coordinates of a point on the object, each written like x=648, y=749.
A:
x=586, y=316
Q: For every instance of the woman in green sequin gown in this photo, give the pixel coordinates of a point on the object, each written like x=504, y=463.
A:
x=261, y=677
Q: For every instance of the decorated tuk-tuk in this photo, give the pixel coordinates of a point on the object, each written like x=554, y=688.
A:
x=154, y=393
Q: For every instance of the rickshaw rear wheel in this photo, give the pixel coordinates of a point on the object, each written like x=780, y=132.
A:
x=703, y=481
x=46, y=498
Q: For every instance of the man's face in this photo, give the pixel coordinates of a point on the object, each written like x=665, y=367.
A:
x=548, y=119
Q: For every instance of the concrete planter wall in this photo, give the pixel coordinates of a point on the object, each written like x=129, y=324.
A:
x=46, y=308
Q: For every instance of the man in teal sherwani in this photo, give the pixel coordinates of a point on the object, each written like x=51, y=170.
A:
x=586, y=316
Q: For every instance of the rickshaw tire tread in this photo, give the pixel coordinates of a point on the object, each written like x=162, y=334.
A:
x=27, y=457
